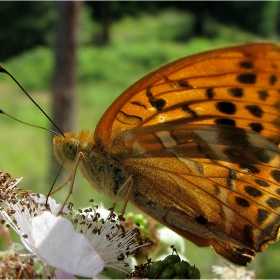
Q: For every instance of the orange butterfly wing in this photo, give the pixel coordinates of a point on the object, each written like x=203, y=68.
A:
x=200, y=135
x=193, y=89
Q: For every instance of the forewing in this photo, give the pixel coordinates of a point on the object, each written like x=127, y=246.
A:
x=237, y=86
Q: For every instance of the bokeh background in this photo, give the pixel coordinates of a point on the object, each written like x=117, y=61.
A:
x=81, y=55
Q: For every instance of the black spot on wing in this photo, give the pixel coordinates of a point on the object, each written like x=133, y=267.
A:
x=248, y=234
x=246, y=65
x=179, y=84
x=252, y=191
x=201, y=220
x=249, y=168
x=261, y=155
x=236, y=92
x=272, y=80
x=262, y=183
x=262, y=215
x=258, y=127
x=157, y=103
x=241, y=201
x=273, y=202
x=246, y=78
x=225, y=121
x=210, y=93
x=263, y=94
x=275, y=175
x=184, y=84
x=255, y=110
x=226, y=107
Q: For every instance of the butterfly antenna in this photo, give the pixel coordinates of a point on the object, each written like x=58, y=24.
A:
x=4, y=113
x=55, y=179
x=2, y=70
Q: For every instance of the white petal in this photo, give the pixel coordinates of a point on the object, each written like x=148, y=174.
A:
x=59, y=245
x=55, y=207
x=60, y=274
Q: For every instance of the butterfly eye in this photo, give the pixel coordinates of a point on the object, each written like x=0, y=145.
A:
x=70, y=148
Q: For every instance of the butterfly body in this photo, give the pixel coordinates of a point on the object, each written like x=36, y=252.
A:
x=200, y=137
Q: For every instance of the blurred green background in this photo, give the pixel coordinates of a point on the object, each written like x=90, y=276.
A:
x=141, y=36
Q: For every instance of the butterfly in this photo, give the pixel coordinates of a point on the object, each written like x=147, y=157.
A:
x=196, y=143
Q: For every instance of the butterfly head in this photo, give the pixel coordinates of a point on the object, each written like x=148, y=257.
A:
x=66, y=149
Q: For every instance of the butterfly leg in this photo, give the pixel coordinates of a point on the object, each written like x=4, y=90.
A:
x=72, y=180
x=113, y=207
x=129, y=181
x=60, y=187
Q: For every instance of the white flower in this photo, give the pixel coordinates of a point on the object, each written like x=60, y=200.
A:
x=19, y=212
x=107, y=236
x=59, y=245
x=230, y=271
x=77, y=243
